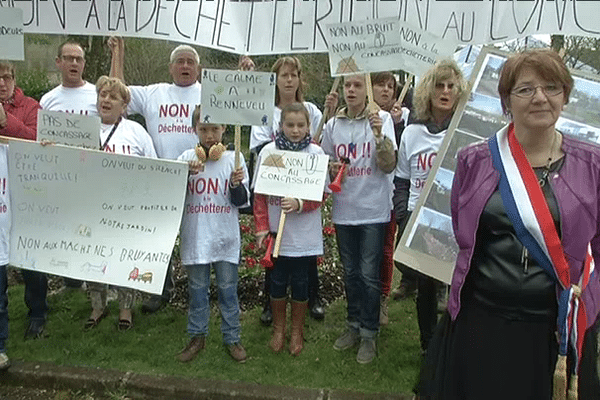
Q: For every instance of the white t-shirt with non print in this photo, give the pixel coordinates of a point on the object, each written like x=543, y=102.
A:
x=418, y=149
x=129, y=138
x=210, y=229
x=168, y=110
x=302, y=232
x=366, y=195
x=80, y=100
x=5, y=214
x=265, y=134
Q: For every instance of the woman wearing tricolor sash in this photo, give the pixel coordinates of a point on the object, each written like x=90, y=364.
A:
x=525, y=293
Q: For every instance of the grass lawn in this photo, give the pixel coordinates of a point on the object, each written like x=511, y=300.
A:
x=152, y=345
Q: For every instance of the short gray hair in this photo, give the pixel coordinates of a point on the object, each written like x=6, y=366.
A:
x=184, y=48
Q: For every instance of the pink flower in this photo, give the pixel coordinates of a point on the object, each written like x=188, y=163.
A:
x=245, y=228
x=329, y=230
x=319, y=260
x=250, y=262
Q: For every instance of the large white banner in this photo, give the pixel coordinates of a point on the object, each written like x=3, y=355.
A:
x=94, y=216
x=383, y=45
x=295, y=26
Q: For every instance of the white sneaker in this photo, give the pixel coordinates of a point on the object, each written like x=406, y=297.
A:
x=4, y=361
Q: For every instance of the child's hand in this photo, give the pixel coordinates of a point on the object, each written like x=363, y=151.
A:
x=331, y=102
x=376, y=123
x=290, y=204
x=260, y=239
x=334, y=169
x=196, y=166
x=236, y=177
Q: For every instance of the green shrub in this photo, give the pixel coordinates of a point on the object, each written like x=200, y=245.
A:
x=34, y=82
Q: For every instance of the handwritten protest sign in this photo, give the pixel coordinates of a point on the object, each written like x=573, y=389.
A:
x=94, y=216
x=12, y=46
x=276, y=27
x=237, y=97
x=70, y=129
x=383, y=45
x=292, y=174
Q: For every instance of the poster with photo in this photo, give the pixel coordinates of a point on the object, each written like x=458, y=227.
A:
x=428, y=244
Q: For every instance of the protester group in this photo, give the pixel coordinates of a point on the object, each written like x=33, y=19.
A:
x=514, y=276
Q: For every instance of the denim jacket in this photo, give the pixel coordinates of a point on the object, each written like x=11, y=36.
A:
x=576, y=187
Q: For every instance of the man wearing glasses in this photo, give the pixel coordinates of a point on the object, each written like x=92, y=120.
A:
x=73, y=95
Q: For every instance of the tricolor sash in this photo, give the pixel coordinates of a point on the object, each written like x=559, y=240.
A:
x=528, y=211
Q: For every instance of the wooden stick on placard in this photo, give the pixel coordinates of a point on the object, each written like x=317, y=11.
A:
x=237, y=143
x=372, y=107
x=326, y=115
x=279, y=234
x=406, y=87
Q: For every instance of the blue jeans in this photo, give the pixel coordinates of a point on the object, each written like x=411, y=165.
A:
x=295, y=271
x=361, y=250
x=199, y=308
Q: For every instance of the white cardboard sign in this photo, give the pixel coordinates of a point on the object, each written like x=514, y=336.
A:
x=94, y=216
x=292, y=174
x=69, y=129
x=237, y=97
x=383, y=45
x=12, y=44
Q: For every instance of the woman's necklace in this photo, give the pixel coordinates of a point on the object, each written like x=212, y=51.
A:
x=546, y=170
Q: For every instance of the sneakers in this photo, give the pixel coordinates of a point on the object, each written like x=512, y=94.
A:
x=347, y=340
x=367, y=351
x=237, y=352
x=4, y=361
x=192, y=349
x=383, y=311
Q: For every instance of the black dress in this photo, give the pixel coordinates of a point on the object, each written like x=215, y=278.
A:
x=503, y=343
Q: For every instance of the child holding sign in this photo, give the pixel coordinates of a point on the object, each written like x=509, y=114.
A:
x=361, y=210
x=210, y=236
x=302, y=239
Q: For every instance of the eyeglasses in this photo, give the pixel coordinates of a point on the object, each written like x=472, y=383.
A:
x=550, y=90
x=7, y=77
x=76, y=59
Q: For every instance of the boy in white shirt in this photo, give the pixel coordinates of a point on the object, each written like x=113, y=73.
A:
x=210, y=236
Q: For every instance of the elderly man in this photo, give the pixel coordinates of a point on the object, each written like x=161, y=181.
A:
x=167, y=109
x=18, y=118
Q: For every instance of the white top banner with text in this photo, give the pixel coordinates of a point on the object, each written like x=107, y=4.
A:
x=297, y=26
x=94, y=216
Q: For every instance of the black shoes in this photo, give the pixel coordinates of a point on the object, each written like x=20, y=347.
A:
x=153, y=304
x=316, y=309
x=35, y=330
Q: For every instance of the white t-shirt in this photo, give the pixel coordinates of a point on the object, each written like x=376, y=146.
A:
x=302, y=232
x=366, y=195
x=79, y=100
x=129, y=138
x=265, y=134
x=418, y=148
x=210, y=229
x=168, y=110
x=5, y=215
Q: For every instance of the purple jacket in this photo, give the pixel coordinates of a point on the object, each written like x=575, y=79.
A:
x=576, y=187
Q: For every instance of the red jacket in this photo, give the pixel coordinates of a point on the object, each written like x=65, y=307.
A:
x=21, y=114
